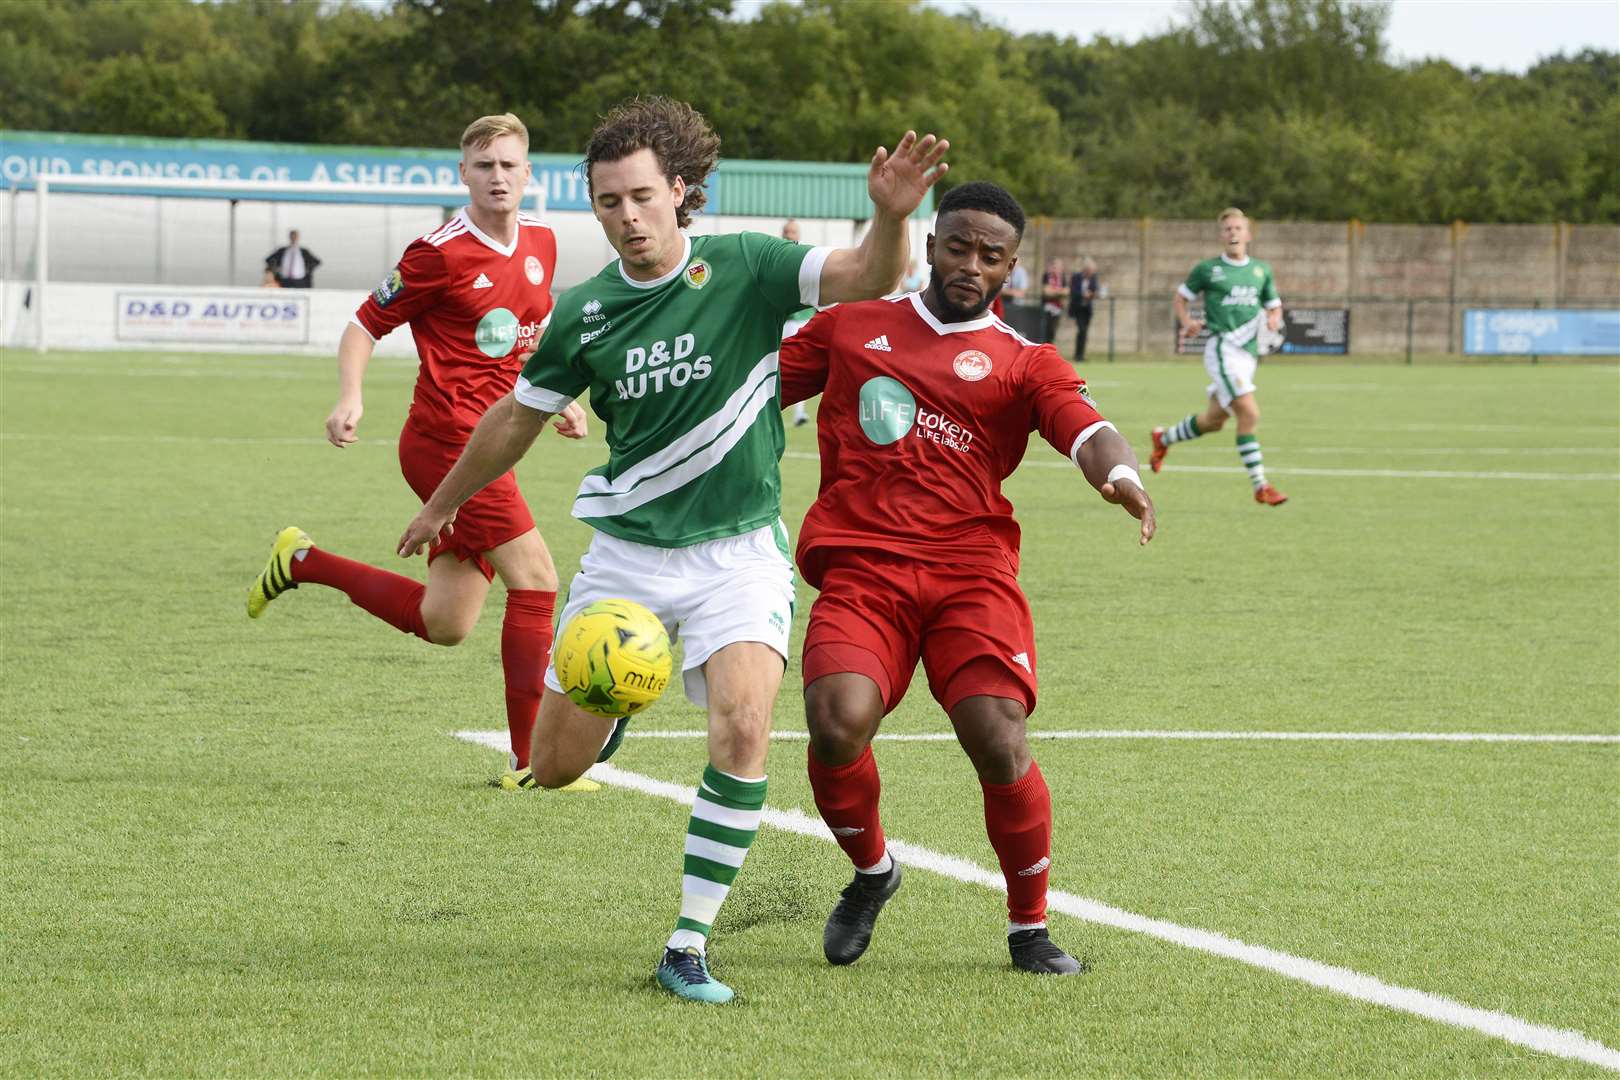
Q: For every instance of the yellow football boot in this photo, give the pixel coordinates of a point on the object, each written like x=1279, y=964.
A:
x=277, y=576
x=523, y=780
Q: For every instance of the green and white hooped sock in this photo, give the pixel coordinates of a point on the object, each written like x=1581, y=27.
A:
x=1187, y=429
x=1248, y=448
x=724, y=822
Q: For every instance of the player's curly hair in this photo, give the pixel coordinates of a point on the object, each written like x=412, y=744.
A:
x=983, y=195
x=677, y=134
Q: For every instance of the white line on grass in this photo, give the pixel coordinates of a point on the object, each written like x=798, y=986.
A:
x=1386, y=474
x=1397, y=474
x=799, y=455
x=1195, y=736
x=1561, y=1042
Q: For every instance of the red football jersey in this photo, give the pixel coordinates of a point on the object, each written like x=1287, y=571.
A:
x=919, y=423
x=476, y=309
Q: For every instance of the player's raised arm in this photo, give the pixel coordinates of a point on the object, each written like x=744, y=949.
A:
x=500, y=440
x=897, y=183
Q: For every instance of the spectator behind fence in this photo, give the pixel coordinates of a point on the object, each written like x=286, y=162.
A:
x=293, y=265
x=1054, y=293
x=1083, y=291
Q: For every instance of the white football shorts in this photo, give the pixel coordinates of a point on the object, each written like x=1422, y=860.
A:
x=1231, y=367
x=710, y=594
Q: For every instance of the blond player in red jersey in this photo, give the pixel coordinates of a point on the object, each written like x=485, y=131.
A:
x=927, y=405
x=476, y=293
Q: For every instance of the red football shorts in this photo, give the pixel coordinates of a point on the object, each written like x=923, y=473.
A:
x=485, y=521
x=879, y=613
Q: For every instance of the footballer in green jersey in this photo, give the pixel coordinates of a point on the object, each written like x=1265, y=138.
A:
x=1240, y=295
x=676, y=342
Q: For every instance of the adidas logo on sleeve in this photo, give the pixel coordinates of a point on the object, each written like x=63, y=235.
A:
x=483, y=282
x=880, y=344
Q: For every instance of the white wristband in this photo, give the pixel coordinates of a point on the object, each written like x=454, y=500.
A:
x=1124, y=472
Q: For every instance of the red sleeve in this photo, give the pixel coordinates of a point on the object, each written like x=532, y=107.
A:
x=408, y=289
x=1060, y=407
x=804, y=359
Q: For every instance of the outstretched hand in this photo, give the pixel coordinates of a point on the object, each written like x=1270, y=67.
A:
x=897, y=182
x=1134, y=498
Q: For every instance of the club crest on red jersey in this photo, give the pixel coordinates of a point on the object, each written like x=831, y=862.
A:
x=390, y=287
x=533, y=270
x=971, y=365
x=697, y=274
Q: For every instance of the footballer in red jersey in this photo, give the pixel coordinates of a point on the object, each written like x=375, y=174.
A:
x=476, y=293
x=927, y=404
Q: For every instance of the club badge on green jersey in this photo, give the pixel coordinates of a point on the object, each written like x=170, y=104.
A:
x=697, y=274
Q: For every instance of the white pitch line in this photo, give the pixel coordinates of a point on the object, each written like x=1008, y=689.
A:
x=1396, y=474
x=799, y=455
x=1191, y=736
x=1561, y=1042
x=1384, y=474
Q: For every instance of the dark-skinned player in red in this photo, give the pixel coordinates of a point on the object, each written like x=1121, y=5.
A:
x=928, y=403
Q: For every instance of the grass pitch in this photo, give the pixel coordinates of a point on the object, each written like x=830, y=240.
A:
x=238, y=848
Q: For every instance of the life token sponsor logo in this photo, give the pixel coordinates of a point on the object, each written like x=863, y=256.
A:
x=651, y=369
x=483, y=282
x=499, y=332
x=390, y=287
x=879, y=344
x=889, y=412
x=971, y=366
x=533, y=270
x=697, y=274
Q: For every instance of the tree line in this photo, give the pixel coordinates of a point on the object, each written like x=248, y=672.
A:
x=1289, y=108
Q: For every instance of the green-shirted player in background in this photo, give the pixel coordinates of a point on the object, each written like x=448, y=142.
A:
x=1239, y=292
x=801, y=415
x=677, y=343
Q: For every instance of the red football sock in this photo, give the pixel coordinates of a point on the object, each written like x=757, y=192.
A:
x=1018, y=818
x=525, y=651
x=395, y=600
x=847, y=797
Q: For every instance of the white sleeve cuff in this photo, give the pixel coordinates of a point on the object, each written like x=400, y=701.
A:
x=538, y=398
x=810, y=276
x=1186, y=293
x=1080, y=440
x=363, y=329
x=1273, y=303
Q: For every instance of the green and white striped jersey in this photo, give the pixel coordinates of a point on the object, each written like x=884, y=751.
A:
x=1236, y=295
x=683, y=373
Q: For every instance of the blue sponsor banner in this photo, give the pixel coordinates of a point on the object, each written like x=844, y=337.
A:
x=27, y=154
x=1541, y=332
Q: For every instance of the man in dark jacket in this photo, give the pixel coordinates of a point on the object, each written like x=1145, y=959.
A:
x=1082, y=292
x=293, y=266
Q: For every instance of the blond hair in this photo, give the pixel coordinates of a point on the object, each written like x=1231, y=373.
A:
x=1230, y=212
x=486, y=129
